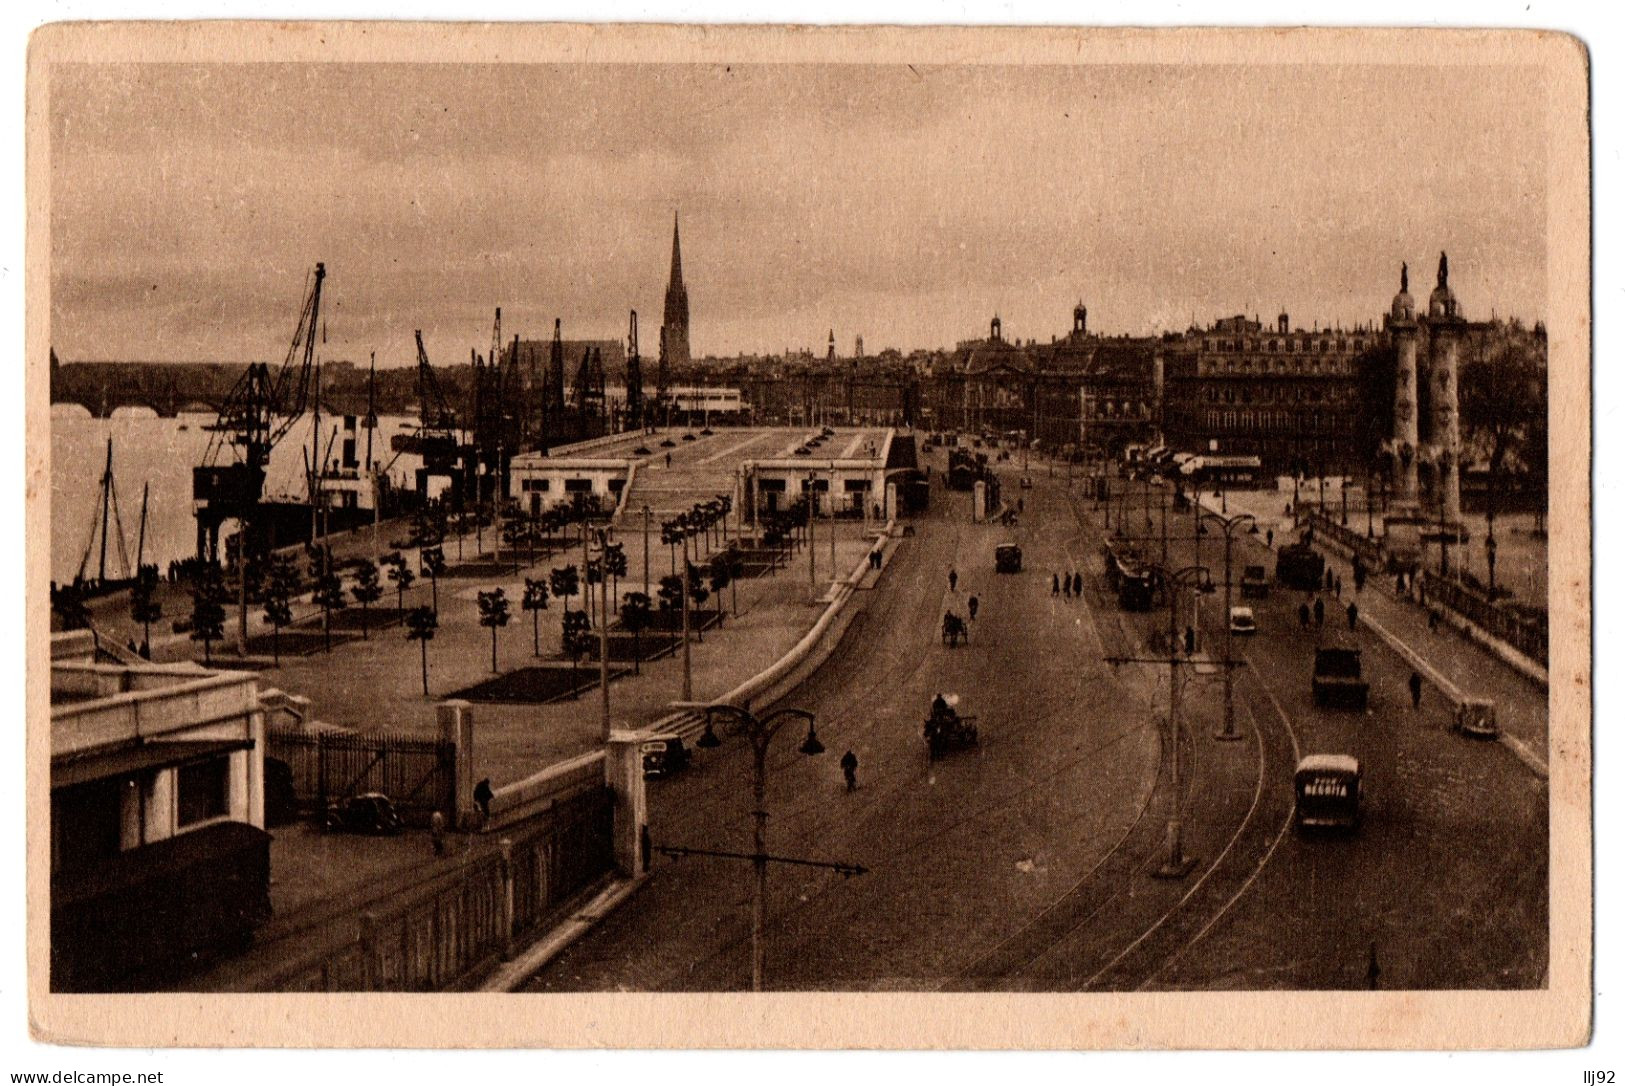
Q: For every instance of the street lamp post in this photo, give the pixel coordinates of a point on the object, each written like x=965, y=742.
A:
x=688, y=671
x=1370, y=528
x=812, y=551
x=1196, y=518
x=1229, y=524
x=646, y=548
x=831, y=520
x=760, y=732
x=603, y=629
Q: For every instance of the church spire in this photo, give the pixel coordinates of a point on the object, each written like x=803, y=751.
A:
x=675, y=326
x=676, y=254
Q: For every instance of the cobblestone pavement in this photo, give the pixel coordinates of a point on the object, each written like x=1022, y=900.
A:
x=963, y=851
x=1521, y=705
x=1026, y=864
x=1446, y=881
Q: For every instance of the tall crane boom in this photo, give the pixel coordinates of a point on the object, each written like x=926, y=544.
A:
x=258, y=413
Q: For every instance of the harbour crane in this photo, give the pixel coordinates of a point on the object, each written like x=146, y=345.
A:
x=257, y=413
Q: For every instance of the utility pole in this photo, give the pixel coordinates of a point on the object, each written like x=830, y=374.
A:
x=645, y=548
x=1229, y=524
x=1176, y=864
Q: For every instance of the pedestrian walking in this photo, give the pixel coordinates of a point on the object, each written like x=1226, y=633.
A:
x=974, y=604
x=1021, y=505
x=1416, y=690
x=1066, y=585
x=1433, y=620
x=1354, y=614
x=1269, y=537
x=1303, y=615
x=953, y=580
x=1077, y=585
x=1190, y=641
x=482, y=798
x=437, y=833
x=668, y=460
x=1320, y=612
x=1328, y=578
x=849, y=770
x=1359, y=577
x=1337, y=586
x=1055, y=584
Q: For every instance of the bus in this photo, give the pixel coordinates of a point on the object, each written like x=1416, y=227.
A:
x=1327, y=787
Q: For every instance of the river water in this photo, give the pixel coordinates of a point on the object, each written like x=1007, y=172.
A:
x=161, y=453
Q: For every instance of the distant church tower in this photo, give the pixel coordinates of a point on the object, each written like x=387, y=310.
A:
x=676, y=323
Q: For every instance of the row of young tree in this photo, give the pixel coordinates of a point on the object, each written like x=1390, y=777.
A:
x=278, y=582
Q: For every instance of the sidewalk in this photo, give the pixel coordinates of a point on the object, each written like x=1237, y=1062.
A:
x=321, y=881
x=1521, y=707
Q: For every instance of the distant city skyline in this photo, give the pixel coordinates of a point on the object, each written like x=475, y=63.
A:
x=905, y=205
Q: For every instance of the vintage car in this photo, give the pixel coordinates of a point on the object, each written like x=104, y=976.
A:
x=1475, y=717
x=365, y=812
x=1242, y=621
x=664, y=755
x=1007, y=558
x=1337, y=682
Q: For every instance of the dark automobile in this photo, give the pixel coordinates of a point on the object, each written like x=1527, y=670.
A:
x=664, y=755
x=367, y=812
x=1336, y=682
x=1300, y=566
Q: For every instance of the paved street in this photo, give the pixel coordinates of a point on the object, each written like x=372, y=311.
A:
x=1447, y=875
x=1036, y=849
x=976, y=844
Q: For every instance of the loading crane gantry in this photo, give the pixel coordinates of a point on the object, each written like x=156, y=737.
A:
x=257, y=413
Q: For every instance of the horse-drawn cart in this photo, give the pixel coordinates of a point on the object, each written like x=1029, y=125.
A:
x=945, y=728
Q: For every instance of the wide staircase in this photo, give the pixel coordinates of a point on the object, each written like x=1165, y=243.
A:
x=669, y=491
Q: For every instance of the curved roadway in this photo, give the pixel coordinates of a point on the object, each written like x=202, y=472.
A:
x=1027, y=863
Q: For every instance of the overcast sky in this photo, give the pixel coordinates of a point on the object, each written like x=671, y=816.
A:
x=907, y=206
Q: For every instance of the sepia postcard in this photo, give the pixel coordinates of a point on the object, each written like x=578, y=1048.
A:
x=774, y=537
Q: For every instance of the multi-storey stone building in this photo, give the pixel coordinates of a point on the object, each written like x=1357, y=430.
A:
x=1291, y=397
x=1082, y=391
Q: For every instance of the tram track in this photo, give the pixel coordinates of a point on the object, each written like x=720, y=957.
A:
x=1163, y=937
x=717, y=964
